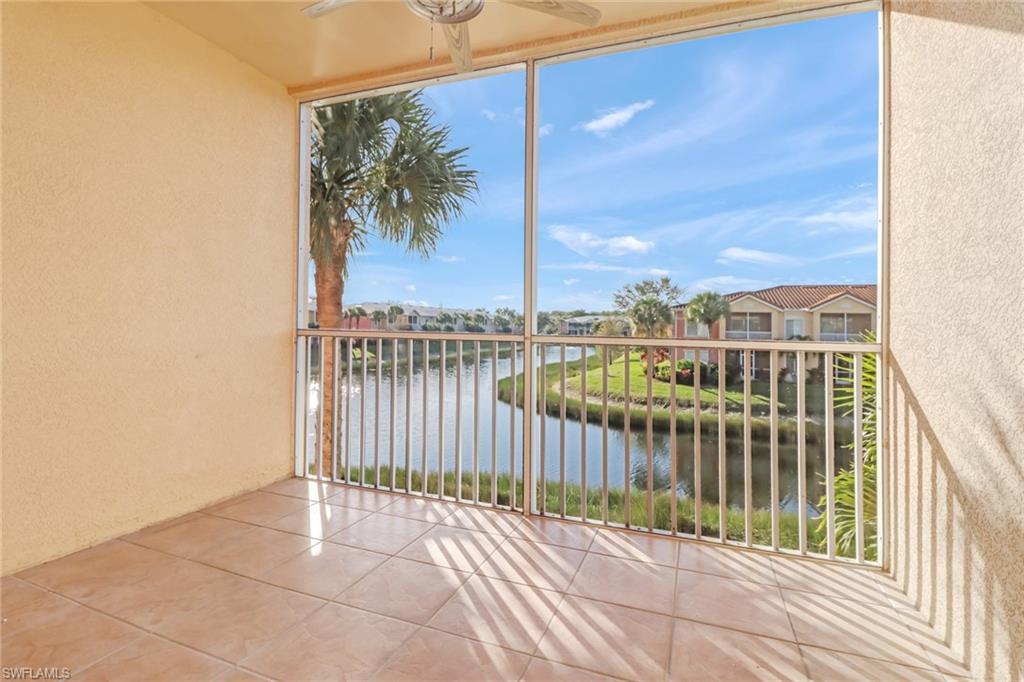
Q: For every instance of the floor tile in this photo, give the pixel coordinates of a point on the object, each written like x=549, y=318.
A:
x=361, y=498
x=832, y=666
x=456, y=548
x=738, y=604
x=552, y=532
x=862, y=628
x=626, y=582
x=608, y=639
x=382, y=533
x=421, y=509
x=726, y=562
x=636, y=546
x=319, y=521
x=483, y=519
x=400, y=588
x=831, y=579
x=167, y=591
x=498, y=612
x=79, y=638
x=23, y=606
x=190, y=535
x=256, y=552
x=304, y=488
x=705, y=652
x=217, y=626
x=530, y=563
x=433, y=655
x=258, y=507
x=335, y=643
x=543, y=670
x=324, y=570
x=153, y=659
x=96, y=572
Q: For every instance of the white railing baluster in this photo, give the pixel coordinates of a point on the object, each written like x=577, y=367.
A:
x=583, y=432
x=723, y=515
x=335, y=398
x=628, y=412
x=773, y=408
x=394, y=410
x=858, y=450
x=561, y=432
x=424, y=472
x=494, y=424
x=673, y=456
x=748, y=467
x=376, y=418
x=458, y=420
x=604, y=434
x=801, y=446
x=830, y=455
x=542, y=504
x=476, y=422
x=512, y=432
x=408, y=416
x=440, y=419
x=651, y=351
x=348, y=411
x=362, y=415
x=698, y=477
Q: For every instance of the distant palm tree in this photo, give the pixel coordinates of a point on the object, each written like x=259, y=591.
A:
x=379, y=318
x=612, y=326
x=707, y=308
x=358, y=312
x=652, y=316
x=394, y=311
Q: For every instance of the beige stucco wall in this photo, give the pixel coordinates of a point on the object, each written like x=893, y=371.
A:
x=957, y=325
x=148, y=228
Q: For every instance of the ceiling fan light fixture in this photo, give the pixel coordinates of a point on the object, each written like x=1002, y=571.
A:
x=446, y=11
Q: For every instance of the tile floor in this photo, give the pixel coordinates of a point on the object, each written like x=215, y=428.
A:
x=306, y=581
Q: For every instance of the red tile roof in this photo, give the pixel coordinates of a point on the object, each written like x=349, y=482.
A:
x=807, y=296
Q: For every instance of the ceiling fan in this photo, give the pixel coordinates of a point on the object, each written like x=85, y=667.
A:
x=453, y=16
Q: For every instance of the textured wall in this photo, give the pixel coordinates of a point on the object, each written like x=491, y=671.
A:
x=957, y=323
x=149, y=221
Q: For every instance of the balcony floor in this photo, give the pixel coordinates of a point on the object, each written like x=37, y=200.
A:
x=405, y=588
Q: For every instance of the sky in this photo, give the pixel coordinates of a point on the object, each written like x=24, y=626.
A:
x=727, y=163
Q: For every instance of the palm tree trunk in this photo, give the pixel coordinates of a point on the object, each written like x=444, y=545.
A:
x=330, y=287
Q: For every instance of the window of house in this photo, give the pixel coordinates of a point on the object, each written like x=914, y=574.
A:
x=794, y=327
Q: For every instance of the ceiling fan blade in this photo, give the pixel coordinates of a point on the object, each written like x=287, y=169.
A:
x=461, y=53
x=573, y=10
x=321, y=8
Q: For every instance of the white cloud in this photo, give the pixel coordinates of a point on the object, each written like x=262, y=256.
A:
x=450, y=259
x=546, y=129
x=591, y=266
x=616, y=118
x=736, y=254
x=728, y=283
x=862, y=250
x=859, y=212
x=502, y=297
x=570, y=281
x=488, y=114
x=587, y=243
x=410, y=287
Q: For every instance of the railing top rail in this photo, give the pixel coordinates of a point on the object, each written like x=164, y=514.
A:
x=688, y=344
x=405, y=335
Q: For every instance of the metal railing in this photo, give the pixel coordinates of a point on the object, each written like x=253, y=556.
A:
x=747, y=449
x=745, y=335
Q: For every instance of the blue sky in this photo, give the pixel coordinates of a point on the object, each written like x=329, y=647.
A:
x=727, y=163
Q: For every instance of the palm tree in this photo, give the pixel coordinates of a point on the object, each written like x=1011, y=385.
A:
x=378, y=166
x=707, y=308
x=379, y=318
x=652, y=316
x=358, y=312
x=394, y=311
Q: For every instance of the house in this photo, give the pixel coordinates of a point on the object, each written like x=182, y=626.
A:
x=583, y=325
x=805, y=312
x=810, y=312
